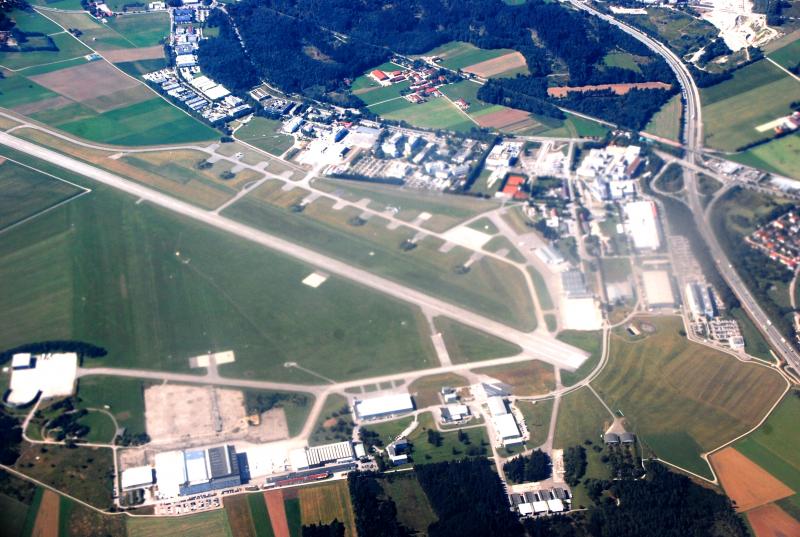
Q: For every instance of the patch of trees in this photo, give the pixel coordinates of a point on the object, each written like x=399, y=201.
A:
x=523, y=92
x=715, y=49
x=376, y=514
x=223, y=57
x=574, y=465
x=468, y=499
x=632, y=110
x=10, y=437
x=624, y=462
x=334, y=529
x=664, y=505
x=259, y=402
x=81, y=348
x=535, y=467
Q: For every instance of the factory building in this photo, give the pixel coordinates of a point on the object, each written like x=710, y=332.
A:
x=701, y=301
x=642, y=218
x=136, y=478
x=311, y=457
x=381, y=407
x=183, y=473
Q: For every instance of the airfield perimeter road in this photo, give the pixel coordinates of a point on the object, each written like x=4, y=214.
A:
x=537, y=344
x=693, y=138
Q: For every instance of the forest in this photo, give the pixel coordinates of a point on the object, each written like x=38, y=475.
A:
x=317, y=48
x=375, y=513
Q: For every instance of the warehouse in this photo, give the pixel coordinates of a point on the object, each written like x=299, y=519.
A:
x=137, y=477
x=180, y=473
x=658, y=289
x=642, y=218
x=497, y=406
x=50, y=375
x=311, y=457
x=381, y=407
x=507, y=430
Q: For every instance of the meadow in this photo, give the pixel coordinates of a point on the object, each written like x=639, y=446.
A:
x=436, y=113
x=16, y=90
x=756, y=94
x=263, y=134
x=537, y=419
x=787, y=56
x=27, y=192
x=373, y=247
x=124, y=396
x=666, y=123
x=781, y=156
x=426, y=390
x=196, y=290
x=208, y=524
x=142, y=29
x=683, y=398
x=451, y=448
x=466, y=344
x=388, y=431
x=468, y=91
x=413, y=509
x=591, y=342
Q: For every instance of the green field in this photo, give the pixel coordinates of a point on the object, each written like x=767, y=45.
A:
x=388, y=431
x=666, y=123
x=537, y=419
x=490, y=287
x=260, y=515
x=787, y=56
x=582, y=418
x=68, y=48
x=25, y=192
x=781, y=156
x=151, y=122
x=16, y=90
x=15, y=514
x=335, y=407
x=616, y=269
x=59, y=4
x=624, y=60
x=124, y=396
x=94, y=33
x=31, y=21
x=263, y=133
x=574, y=126
x=426, y=390
x=729, y=109
x=683, y=398
x=451, y=449
x=142, y=29
x=292, y=506
x=373, y=95
x=140, y=67
x=465, y=344
x=436, y=113
x=468, y=91
x=208, y=524
x=458, y=55
x=773, y=446
x=591, y=342
x=413, y=509
x=101, y=427
x=219, y=293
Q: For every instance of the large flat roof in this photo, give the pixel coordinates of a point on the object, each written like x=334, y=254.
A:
x=53, y=375
x=506, y=426
x=170, y=473
x=138, y=476
x=388, y=404
x=658, y=288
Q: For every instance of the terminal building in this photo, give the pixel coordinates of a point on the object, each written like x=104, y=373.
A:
x=383, y=407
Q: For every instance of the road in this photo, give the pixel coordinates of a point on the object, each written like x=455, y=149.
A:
x=693, y=140
x=536, y=344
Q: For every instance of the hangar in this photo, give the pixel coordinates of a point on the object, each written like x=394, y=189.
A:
x=50, y=375
x=381, y=407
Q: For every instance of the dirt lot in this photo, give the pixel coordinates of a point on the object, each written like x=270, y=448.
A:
x=619, y=89
x=496, y=66
x=746, y=483
x=277, y=513
x=505, y=119
x=772, y=521
x=92, y=81
x=46, y=524
x=134, y=54
x=180, y=414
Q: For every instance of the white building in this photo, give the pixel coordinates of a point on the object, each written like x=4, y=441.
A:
x=393, y=145
x=504, y=154
x=497, y=406
x=388, y=405
x=642, y=222
x=170, y=473
x=52, y=375
x=507, y=429
x=609, y=172
x=658, y=288
x=293, y=125
x=137, y=477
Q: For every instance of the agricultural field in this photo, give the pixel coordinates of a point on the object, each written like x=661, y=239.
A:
x=537, y=419
x=686, y=399
x=59, y=4
x=666, y=123
x=87, y=473
x=208, y=524
x=451, y=448
x=573, y=126
x=459, y=55
x=27, y=192
x=19, y=502
x=68, y=49
x=322, y=504
x=142, y=29
x=781, y=156
x=263, y=134
x=124, y=396
x=728, y=108
x=427, y=389
x=245, y=520
x=121, y=32
x=373, y=247
x=413, y=509
x=200, y=299
x=773, y=445
x=466, y=344
x=436, y=113
x=77, y=520
x=525, y=378
x=787, y=56
x=468, y=90
x=591, y=342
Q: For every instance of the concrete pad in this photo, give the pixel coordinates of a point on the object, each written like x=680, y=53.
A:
x=466, y=236
x=315, y=279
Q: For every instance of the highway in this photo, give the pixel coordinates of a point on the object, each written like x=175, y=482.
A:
x=693, y=140
x=536, y=344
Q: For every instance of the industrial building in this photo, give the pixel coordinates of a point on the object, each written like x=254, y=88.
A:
x=183, y=473
x=658, y=289
x=573, y=283
x=311, y=457
x=504, y=154
x=136, y=478
x=642, y=224
x=701, y=301
x=381, y=407
x=609, y=172
x=505, y=426
x=45, y=375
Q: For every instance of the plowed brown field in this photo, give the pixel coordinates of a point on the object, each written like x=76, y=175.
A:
x=745, y=482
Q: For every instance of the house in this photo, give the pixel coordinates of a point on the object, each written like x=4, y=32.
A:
x=462, y=104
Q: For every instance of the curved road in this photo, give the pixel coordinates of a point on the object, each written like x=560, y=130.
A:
x=693, y=138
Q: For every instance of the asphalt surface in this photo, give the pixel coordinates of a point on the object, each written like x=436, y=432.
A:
x=535, y=344
x=693, y=138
